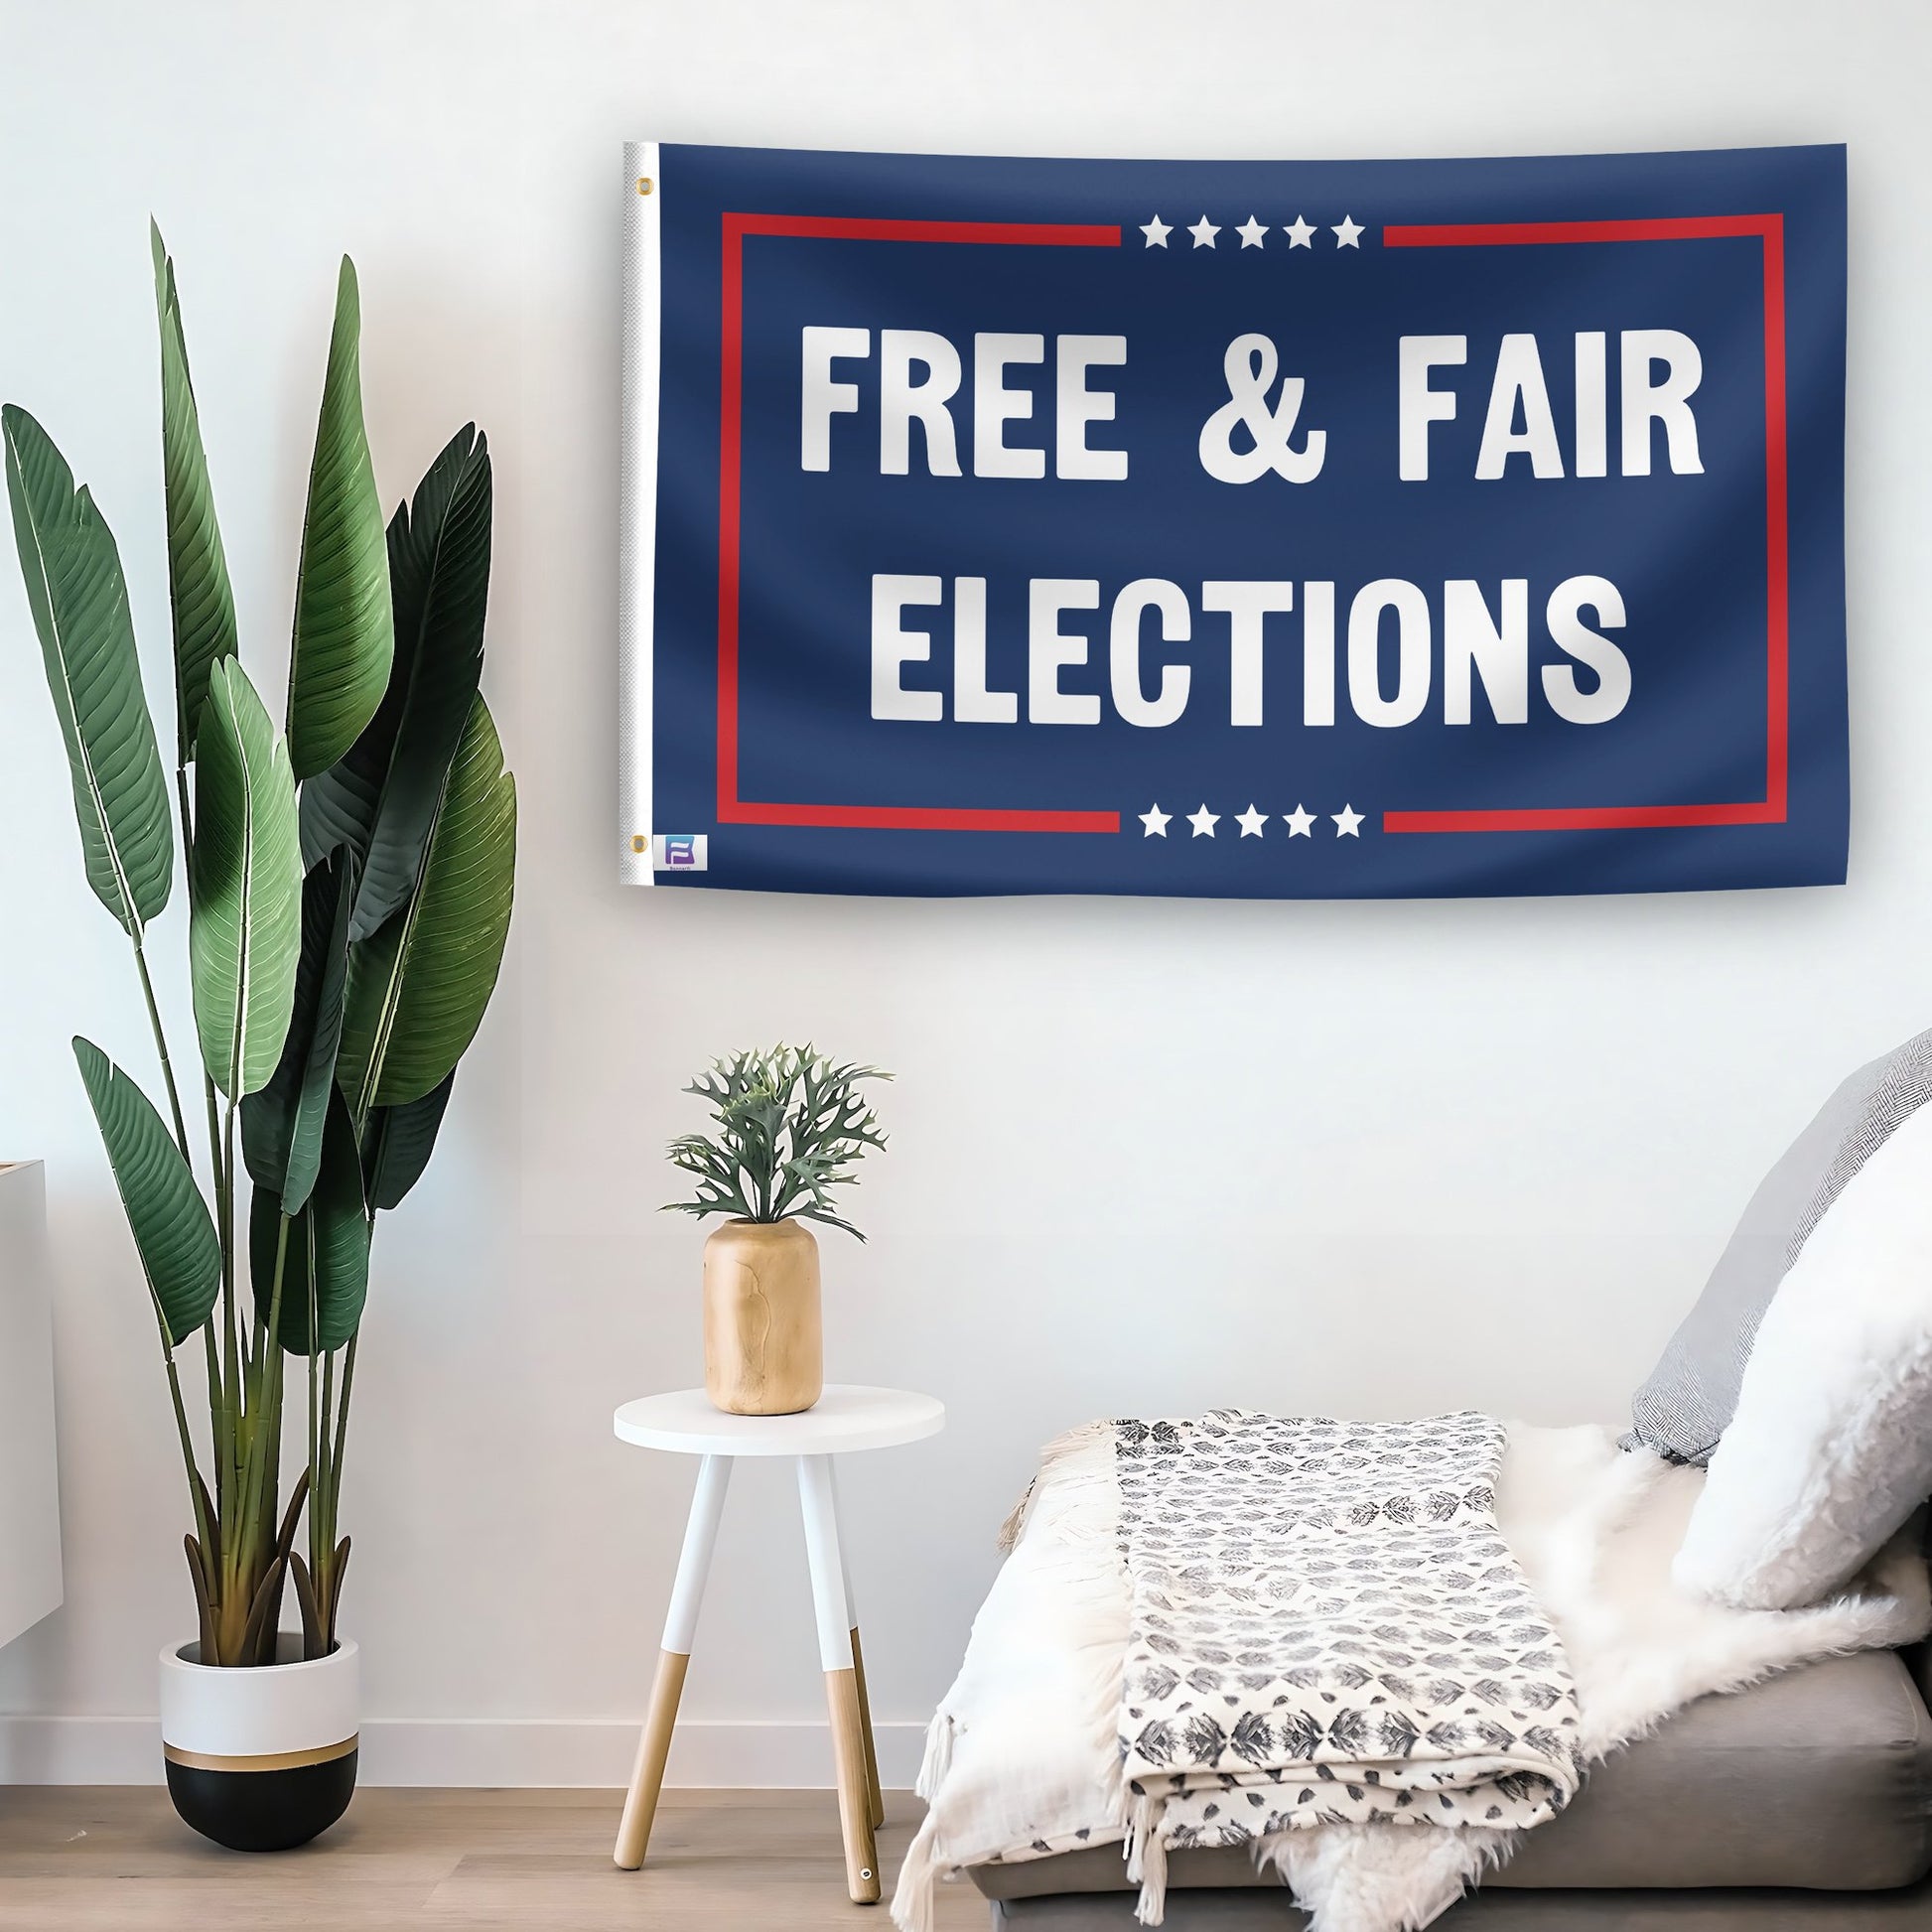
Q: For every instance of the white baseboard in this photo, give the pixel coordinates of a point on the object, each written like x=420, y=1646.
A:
x=485, y=1752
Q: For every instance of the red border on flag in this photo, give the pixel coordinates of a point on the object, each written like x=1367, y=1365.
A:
x=1770, y=809
x=732, y=809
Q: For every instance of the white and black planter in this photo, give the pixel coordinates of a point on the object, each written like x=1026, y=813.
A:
x=261, y=1759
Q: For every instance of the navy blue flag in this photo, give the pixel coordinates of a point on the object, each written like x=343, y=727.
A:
x=1301, y=529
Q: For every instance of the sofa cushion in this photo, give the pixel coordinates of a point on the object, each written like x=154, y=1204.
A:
x=1830, y=1449
x=1687, y=1403
x=1494, y=1909
x=1821, y=1779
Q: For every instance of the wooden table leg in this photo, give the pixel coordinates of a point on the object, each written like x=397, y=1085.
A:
x=820, y=1511
x=680, y=1626
x=877, y=1796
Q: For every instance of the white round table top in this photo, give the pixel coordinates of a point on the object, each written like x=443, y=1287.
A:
x=845, y=1418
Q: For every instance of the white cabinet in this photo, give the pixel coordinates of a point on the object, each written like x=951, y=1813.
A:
x=30, y=1512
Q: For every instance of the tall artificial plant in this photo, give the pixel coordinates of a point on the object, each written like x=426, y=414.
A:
x=349, y=880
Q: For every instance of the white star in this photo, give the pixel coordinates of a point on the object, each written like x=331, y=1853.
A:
x=1251, y=822
x=1156, y=822
x=1348, y=823
x=1203, y=822
x=1157, y=233
x=1251, y=233
x=1203, y=232
x=1348, y=234
x=1301, y=234
x=1300, y=823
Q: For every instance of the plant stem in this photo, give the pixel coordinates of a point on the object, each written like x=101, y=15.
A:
x=316, y=1438
x=219, y=1395
x=160, y=1047
x=246, y=1557
x=342, y=1407
x=187, y=814
x=326, y=1539
x=234, y=1414
x=202, y=1525
x=322, y=1522
x=191, y=1467
x=219, y=1432
x=267, y=1412
x=230, y=1346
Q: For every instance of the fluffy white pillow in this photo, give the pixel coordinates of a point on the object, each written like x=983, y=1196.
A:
x=1830, y=1450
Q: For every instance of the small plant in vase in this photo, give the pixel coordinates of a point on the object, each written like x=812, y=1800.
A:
x=789, y=1127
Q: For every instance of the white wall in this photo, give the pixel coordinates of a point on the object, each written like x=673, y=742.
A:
x=1371, y=1159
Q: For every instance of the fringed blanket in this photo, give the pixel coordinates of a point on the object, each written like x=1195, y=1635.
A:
x=1325, y=1626
x=1023, y=1757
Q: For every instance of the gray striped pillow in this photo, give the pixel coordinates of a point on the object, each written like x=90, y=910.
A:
x=1686, y=1404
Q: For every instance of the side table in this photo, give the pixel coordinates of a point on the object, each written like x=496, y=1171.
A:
x=845, y=1419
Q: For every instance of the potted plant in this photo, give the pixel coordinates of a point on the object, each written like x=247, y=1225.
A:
x=789, y=1126
x=349, y=895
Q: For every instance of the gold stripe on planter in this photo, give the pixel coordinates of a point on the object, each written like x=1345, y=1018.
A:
x=266, y=1761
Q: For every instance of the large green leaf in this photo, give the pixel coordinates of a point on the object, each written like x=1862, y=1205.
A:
x=380, y=798
x=398, y=1143
x=173, y=1233
x=197, y=570
x=78, y=599
x=244, y=933
x=281, y=1126
x=417, y=990
x=325, y=1264
x=344, y=630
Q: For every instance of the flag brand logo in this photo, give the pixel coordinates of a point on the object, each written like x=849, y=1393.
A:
x=680, y=851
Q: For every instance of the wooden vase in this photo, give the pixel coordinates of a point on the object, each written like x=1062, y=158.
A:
x=763, y=1344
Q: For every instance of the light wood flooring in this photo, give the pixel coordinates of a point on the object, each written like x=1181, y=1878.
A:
x=117, y=1860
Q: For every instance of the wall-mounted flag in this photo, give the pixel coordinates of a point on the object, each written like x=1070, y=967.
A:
x=1310, y=530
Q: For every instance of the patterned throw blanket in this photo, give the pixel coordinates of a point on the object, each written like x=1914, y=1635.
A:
x=1327, y=1627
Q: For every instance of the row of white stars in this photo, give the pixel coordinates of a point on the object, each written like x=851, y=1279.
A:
x=1301, y=233
x=1301, y=823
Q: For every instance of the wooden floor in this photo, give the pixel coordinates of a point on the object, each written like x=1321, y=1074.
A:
x=117, y=1860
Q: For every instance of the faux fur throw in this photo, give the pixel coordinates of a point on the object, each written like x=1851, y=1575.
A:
x=1023, y=1758
x=1325, y=1626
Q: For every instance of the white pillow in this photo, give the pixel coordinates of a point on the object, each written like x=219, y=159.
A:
x=1830, y=1450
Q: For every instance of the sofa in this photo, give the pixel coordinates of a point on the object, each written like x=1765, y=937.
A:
x=1801, y=1381
x=1801, y=1805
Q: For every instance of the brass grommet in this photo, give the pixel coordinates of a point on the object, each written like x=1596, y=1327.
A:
x=643, y=184
x=639, y=842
